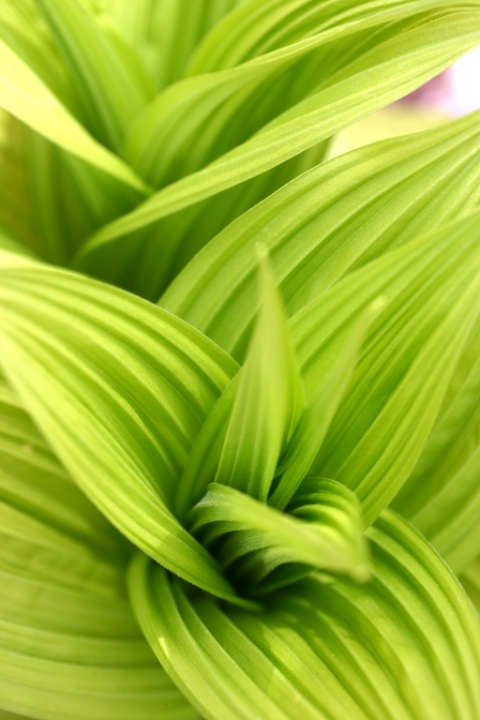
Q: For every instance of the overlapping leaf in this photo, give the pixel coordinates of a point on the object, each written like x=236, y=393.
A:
x=165, y=34
x=442, y=495
x=335, y=218
x=110, y=96
x=430, y=289
x=470, y=580
x=131, y=386
x=69, y=645
x=408, y=360
x=263, y=549
x=24, y=95
x=407, y=55
x=69, y=198
x=268, y=402
x=402, y=647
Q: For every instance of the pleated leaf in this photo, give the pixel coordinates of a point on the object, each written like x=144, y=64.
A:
x=310, y=431
x=25, y=96
x=268, y=401
x=404, y=646
x=407, y=361
x=308, y=434
x=442, y=496
x=409, y=57
x=335, y=218
x=258, y=545
x=430, y=289
x=130, y=387
x=165, y=33
x=109, y=95
x=69, y=645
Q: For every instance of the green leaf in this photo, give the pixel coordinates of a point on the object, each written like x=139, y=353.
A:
x=26, y=97
x=411, y=351
x=8, y=243
x=412, y=54
x=331, y=220
x=24, y=31
x=69, y=199
x=300, y=452
x=16, y=215
x=312, y=427
x=262, y=546
x=166, y=33
x=268, y=402
x=129, y=387
x=470, y=580
x=109, y=96
x=442, y=496
x=402, y=647
x=407, y=361
x=69, y=645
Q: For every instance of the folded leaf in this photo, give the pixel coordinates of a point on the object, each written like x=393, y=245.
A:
x=431, y=288
x=262, y=546
x=331, y=220
x=165, y=34
x=268, y=401
x=26, y=97
x=313, y=425
x=69, y=646
x=410, y=56
x=301, y=450
x=128, y=388
x=109, y=95
x=407, y=362
x=325, y=650
x=442, y=496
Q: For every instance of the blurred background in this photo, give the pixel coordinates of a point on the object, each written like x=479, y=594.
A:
x=453, y=93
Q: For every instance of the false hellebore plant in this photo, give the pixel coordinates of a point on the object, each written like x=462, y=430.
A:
x=248, y=499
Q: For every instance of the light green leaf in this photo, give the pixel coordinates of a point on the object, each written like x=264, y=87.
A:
x=312, y=427
x=431, y=290
x=331, y=220
x=261, y=546
x=108, y=93
x=305, y=442
x=402, y=647
x=69, y=198
x=410, y=56
x=69, y=645
x=166, y=33
x=255, y=29
x=26, y=97
x=130, y=387
x=407, y=362
x=442, y=496
x=24, y=31
x=268, y=401
x=200, y=119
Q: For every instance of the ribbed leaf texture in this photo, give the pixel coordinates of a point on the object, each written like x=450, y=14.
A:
x=229, y=504
x=322, y=649
x=69, y=645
